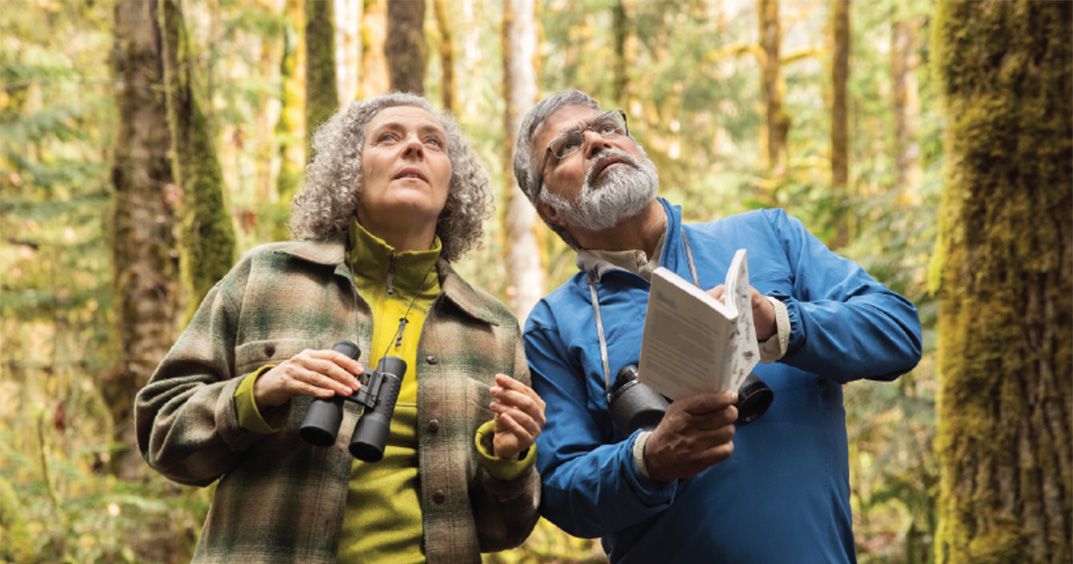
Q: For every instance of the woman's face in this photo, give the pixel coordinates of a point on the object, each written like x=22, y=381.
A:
x=406, y=172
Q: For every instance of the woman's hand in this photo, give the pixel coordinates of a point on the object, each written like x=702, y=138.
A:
x=321, y=374
x=519, y=416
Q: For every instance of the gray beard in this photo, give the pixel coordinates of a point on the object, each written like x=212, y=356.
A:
x=624, y=192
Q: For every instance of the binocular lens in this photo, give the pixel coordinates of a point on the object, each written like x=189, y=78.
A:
x=322, y=422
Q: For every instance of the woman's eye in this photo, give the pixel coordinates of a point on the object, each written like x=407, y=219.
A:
x=434, y=142
x=387, y=137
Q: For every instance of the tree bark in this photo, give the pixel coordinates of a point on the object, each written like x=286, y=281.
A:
x=207, y=244
x=906, y=108
x=405, y=48
x=322, y=94
x=840, y=40
x=1004, y=271
x=290, y=129
x=777, y=122
x=525, y=273
x=146, y=272
x=374, y=75
x=447, y=57
x=621, y=26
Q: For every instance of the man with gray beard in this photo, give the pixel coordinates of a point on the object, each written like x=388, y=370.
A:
x=700, y=485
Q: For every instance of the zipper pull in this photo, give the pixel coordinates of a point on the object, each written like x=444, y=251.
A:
x=391, y=273
x=398, y=336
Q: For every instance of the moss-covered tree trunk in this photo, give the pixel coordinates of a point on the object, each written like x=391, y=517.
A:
x=146, y=274
x=322, y=94
x=405, y=48
x=290, y=129
x=840, y=46
x=207, y=244
x=447, y=56
x=1003, y=270
x=777, y=121
x=374, y=75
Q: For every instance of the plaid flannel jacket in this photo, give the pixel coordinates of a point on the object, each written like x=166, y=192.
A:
x=281, y=500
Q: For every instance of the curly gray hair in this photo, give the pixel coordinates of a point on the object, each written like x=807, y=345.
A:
x=332, y=191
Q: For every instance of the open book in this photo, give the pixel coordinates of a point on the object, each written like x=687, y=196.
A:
x=693, y=342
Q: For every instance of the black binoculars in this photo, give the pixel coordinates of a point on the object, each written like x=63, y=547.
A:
x=635, y=406
x=378, y=394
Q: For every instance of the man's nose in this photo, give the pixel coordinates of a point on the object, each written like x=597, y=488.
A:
x=594, y=143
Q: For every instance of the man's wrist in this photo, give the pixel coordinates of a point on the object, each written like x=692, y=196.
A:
x=638, y=451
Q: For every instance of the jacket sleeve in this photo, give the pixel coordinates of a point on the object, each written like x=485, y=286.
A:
x=187, y=423
x=505, y=511
x=844, y=324
x=590, y=488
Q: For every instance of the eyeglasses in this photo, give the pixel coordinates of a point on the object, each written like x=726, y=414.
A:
x=608, y=125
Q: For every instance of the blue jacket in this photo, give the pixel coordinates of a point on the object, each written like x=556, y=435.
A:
x=783, y=496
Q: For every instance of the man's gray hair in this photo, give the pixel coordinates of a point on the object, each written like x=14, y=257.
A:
x=525, y=158
x=333, y=186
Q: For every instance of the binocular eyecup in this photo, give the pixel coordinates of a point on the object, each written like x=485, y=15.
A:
x=378, y=394
x=634, y=405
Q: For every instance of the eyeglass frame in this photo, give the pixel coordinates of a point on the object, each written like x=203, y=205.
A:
x=588, y=127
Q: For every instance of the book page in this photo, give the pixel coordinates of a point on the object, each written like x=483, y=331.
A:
x=695, y=343
x=685, y=337
x=743, y=350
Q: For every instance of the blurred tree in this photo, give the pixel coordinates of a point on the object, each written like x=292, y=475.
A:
x=903, y=62
x=778, y=121
x=145, y=266
x=405, y=48
x=840, y=47
x=322, y=95
x=374, y=74
x=290, y=128
x=621, y=30
x=447, y=56
x=207, y=244
x=525, y=270
x=1003, y=273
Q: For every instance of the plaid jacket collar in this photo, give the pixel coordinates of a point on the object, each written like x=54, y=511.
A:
x=456, y=290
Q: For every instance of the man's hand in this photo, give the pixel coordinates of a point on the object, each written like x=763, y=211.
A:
x=519, y=416
x=321, y=374
x=695, y=434
x=763, y=312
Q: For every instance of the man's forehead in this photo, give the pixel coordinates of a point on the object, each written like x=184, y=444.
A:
x=562, y=119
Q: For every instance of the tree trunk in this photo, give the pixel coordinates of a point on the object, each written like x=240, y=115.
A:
x=290, y=129
x=146, y=274
x=374, y=75
x=840, y=38
x=903, y=64
x=207, y=245
x=447, y=57
x=322, y=95
x=405, y=49
x=1003, y=270
x=347, y=48
x=777, y=121
x=471, y=59
x=525, y=273
x=621, y=26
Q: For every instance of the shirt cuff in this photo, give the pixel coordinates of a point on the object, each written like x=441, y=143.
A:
x=249, y=417
x=774, y=348
x=639, y=453
x=501, y=468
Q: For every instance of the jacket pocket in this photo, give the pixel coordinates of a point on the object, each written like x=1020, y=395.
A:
x=255, y=354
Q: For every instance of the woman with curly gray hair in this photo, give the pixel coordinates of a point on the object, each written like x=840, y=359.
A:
x=393, y=195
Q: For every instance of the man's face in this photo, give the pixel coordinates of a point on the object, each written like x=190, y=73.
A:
x=607, y=179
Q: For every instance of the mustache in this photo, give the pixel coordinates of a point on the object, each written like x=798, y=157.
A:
x=595, y=168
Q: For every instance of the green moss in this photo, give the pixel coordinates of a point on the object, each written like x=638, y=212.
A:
x=1001, y=271
x=16, y=543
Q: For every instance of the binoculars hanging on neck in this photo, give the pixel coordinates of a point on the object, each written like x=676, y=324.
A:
x=378, y=394
x=635, y=406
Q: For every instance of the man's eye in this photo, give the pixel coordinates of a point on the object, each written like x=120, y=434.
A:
x=568, y=144
x=607, y=127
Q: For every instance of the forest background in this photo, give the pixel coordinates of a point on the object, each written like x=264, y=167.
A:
x=145, y=148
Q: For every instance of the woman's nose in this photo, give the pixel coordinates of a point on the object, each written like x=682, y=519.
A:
x=412, y=145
